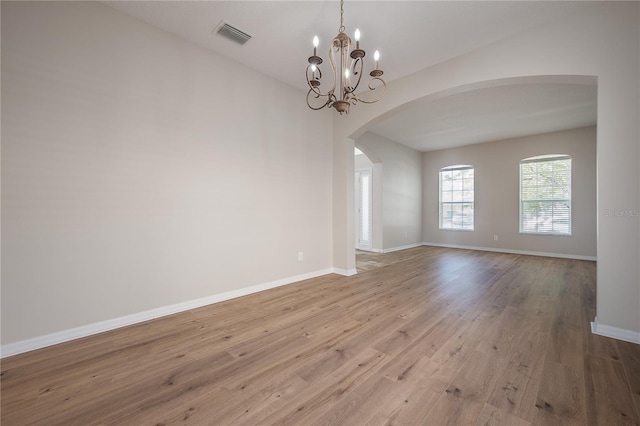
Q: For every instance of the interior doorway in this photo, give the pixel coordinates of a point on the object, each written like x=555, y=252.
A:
x=365, y=181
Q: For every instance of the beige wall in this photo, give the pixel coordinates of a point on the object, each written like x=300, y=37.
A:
x=401, y=190
x=140, y=171
x=497, y=193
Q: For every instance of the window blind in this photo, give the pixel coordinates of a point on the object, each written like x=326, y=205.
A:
x=545, y=195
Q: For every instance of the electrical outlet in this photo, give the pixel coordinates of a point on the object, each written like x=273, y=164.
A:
x=495, y=238
x=300, y=256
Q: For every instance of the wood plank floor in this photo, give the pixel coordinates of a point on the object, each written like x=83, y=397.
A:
x=424, y=336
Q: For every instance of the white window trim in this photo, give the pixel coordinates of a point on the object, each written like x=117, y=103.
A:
x=440, y=202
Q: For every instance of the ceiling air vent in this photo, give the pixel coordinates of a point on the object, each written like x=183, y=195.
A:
x=232, y=33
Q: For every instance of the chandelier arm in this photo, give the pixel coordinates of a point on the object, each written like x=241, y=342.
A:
x=384, y=84
x=373, y=89
x=315, y=89
x=317, y=97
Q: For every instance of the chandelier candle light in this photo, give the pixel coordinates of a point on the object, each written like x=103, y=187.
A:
x=343, y=72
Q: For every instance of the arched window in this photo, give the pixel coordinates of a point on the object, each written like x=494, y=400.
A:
x=545, y=195
x=456, y=197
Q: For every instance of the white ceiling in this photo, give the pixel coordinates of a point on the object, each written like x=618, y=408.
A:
x=410, y=35
x=492, y=114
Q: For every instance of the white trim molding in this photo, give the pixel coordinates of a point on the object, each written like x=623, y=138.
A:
x=102, y=326
x=408, y=246
x=511, y=251
x=345, y=272
x=615, y=332
x=372, y=250
x=389, y=250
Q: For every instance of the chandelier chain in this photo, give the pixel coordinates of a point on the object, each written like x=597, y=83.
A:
x=341, y=16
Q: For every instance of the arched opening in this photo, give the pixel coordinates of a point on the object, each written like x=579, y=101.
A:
x=361, y=134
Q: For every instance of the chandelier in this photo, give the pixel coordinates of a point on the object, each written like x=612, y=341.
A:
x=347, y=70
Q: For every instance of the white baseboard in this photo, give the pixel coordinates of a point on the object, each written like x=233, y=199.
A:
x=408, y=246
x=392, y=249
x=372, y=250
x=345, y=272
x=524, y=252
x=102, y=326
x=615, y=332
